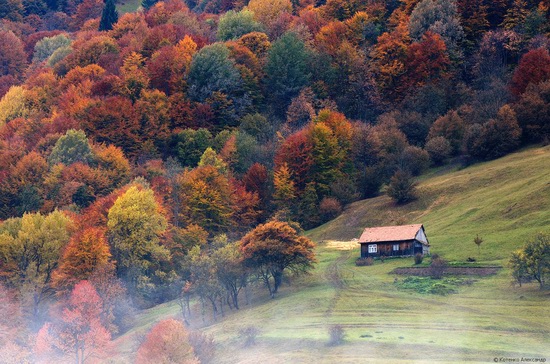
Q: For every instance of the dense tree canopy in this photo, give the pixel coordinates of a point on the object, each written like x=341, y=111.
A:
x=156, y=154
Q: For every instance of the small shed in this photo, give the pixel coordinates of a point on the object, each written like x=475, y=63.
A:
x=390, y=241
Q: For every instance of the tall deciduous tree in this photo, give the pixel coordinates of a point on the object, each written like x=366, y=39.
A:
x=77, y=330
x=274, y=247
x=402, y=187
x=533, y=260
x=87, y=251
x=533, y=68
x=205, y=196
x=233, y=25
x=286, y=69
x=71, y=148
x=212, y=71
x=13, y=59
x=440, y=17
x=30, y=248
x=135, y=224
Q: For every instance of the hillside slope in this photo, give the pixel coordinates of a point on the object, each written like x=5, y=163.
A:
x=504, y=201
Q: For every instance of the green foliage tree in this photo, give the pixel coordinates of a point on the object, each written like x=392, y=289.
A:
x=328, y=157
x=212, y=71
x=45, y=47
x=109, y=16
x=232, y=275
x=71, y=148
x=402, y=187
x=30, y=248
x=204, y=280
x=210, y=158
x=233, y=25
x=135, y=225
x=12, y=10
x=308, y=214
x=287, y=69
x=532, y=261
x=274, y=247
x=190, y=145
x=439, y=17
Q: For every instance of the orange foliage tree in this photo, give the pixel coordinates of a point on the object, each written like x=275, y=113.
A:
x=86, y=251
x=167, y=342
x=274, y=247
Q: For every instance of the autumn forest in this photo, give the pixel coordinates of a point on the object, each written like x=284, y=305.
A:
x=181, y=150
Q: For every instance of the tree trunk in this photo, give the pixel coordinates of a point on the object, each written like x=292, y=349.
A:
x=278, y=278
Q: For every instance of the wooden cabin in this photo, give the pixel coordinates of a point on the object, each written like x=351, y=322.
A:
x=391, y=241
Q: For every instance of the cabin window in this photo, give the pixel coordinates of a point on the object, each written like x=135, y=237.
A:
x=395, y=247
x=372, y=248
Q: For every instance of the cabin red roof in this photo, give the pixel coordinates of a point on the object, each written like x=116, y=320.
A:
x=389, y=233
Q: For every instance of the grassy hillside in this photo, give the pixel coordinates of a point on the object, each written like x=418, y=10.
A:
x=504, y=201
x=127, y=6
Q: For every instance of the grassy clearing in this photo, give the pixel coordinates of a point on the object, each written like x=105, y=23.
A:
x=127, y=6
x=504, y=201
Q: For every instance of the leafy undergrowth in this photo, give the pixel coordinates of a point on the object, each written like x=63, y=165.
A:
x=428, y=285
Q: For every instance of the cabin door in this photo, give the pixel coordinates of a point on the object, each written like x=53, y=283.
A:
x=417, y=248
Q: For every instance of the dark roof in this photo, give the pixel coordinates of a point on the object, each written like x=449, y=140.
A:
x=389, y=233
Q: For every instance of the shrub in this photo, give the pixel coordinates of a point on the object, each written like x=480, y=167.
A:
x=336, y=335
x=437, y=267
x=402, y=187
x=249, y=335
x=167, y=339
x=203, y=345
x=439, y=149
x=362, y=262
x=415, y=160
x=418, y=258
x=329, y=208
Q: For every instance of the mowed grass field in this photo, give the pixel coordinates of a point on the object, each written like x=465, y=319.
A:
x=505, y=201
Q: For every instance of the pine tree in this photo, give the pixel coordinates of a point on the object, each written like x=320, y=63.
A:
x=109, y=16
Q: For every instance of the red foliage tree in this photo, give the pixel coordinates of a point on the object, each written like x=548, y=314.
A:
x=77, y=330
x=256, y=180
x=13, y=59
x=427, y=61
x=113, y=121
x=534, y=67
x=296, y=153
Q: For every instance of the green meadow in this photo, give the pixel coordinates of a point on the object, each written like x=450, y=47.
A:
x=127, y=6
x=506, y=202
